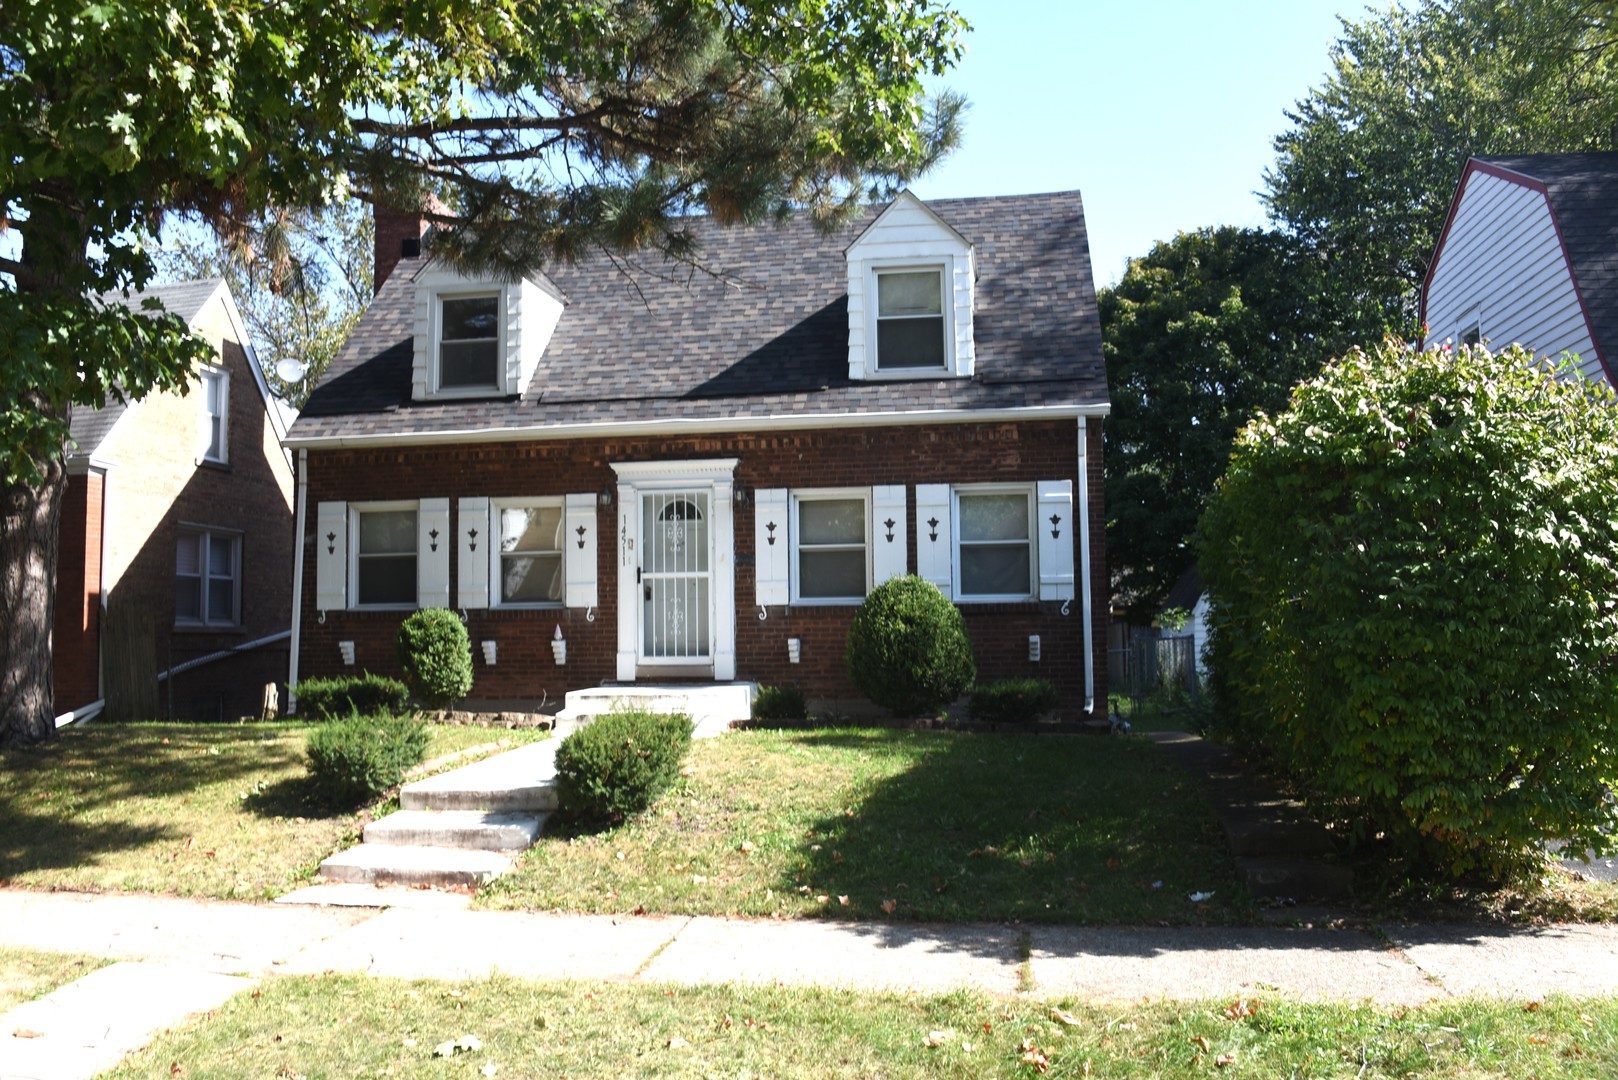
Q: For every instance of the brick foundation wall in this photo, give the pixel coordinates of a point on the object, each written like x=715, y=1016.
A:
x=525, y=670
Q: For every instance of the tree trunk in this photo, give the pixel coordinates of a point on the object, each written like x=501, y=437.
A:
x=30, y=520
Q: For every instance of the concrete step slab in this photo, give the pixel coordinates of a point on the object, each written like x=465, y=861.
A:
x=390, y=864
x=523, y=779
x=1277, y=834
x=1301, y=879
x=713, y=707
x=350, y=895
x=479, y=830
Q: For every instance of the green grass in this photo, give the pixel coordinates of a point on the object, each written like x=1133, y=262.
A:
x=195, y=810
x=351, y=1026
x=26, y=974
x=883, y=824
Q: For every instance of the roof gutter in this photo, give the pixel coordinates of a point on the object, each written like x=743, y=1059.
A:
x=700, y=426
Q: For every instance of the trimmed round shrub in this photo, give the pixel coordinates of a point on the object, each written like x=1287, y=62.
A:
x=356, y=758
x=907, y=648
x=1013, y=701
x=779, y=703
x=1413, y=571
x=436, y=656
x=366, y=694
x=617, y=764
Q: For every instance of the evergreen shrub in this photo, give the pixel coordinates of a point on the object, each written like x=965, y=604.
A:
x=1013, y=701
x=1413, y=571
x=617, y=764
x=436, y=656
x=779, y=703
x=907, y=648
x=366, y=694
x=356, y=758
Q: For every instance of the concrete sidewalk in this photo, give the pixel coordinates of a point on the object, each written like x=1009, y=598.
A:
x=186, y=956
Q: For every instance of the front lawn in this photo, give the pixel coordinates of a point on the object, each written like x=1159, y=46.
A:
x=880, y=824
x=195, y=809
x=343, y=1026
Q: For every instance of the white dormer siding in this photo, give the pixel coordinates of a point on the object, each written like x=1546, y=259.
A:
x=909, y=238
x=1501, y=271
x=526, y=315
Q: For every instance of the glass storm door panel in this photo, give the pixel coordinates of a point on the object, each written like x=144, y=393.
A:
x=676, y=582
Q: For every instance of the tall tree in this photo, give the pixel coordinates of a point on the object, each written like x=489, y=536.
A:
x=1367, y=169
x=1201, y=334
x=301, y=277
x=552, y=127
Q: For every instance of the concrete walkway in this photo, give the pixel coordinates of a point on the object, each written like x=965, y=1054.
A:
x=181, y=957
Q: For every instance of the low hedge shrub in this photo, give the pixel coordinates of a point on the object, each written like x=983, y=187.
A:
x=617, y=764
x=366, y=694
x=907, y=648
x=779, y=703
x=1010, y=701
x=356, y=758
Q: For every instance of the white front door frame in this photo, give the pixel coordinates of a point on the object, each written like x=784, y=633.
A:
x=638, y=477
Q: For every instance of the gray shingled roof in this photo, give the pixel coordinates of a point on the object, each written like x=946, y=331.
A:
x=90, y=427
x=765, y=334
x=1583, y=193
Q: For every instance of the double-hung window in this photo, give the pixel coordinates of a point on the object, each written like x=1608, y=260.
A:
x=469, y=342
x=215, y=416
x=207, y=576
x=910, y=323
x=994, y=539
x=530, y=566
x=385, y=555
x=831, y=556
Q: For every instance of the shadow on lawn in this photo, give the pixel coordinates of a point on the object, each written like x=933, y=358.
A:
x=31, y=839
x=1038, y=829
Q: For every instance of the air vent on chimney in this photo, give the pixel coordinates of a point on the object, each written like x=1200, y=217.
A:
x=410, y=247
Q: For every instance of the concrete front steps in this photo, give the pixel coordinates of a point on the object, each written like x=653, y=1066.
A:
x=461, y=828
x=464, y=828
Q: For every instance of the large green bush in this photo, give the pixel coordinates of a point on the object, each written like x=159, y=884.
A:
x=617, y=764
x=436, y=656
x=356, y=758
x=366, y=694
x=907, y=648
x=1014, y=701
x=1414, y=571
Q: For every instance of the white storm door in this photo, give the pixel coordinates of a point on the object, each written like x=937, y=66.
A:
x=676, y=577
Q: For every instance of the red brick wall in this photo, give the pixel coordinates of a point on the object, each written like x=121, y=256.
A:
x=76, y=642
x=393, y=227
x=525, y=671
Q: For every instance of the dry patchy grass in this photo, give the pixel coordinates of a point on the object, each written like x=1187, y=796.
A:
x=26, y=974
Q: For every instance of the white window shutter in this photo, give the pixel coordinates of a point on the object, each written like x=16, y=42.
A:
x=1057, y=533
x=331, y=556
x=772, y=547
x=934, y=553
x=432, y=553
x=473, y=545
x=580, y=544
x=887, y=532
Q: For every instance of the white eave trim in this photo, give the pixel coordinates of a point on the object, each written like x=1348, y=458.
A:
x=700, y=425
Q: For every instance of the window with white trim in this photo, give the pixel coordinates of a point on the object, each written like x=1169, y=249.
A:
x=468, y=351
x=994, y=543
x=216, y=415
x=529, y=567
x=207, y=578
x=911, y=328
x=384, y=554
x=830, y=546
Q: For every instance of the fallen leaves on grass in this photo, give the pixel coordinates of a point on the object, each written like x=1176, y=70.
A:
x=1224, y=1059
x=1238, y=1010
x=889, y=906
x=451, y=1047
x=1062, y=1016
x=1033, y=1055
x=677, y=1043
x=1201, y=1043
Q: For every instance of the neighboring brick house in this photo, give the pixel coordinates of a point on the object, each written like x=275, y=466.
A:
x=1529, y=255
x=698, y=474
x=176, y=536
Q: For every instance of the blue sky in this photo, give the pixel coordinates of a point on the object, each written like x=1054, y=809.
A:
x=1160, y=112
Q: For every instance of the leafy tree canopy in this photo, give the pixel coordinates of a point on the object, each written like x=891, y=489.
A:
x=1367, y=169
x=548, y=127
x=1202, y=333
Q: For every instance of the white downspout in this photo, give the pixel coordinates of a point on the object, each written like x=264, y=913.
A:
x=297, y=580
x=1084, y=565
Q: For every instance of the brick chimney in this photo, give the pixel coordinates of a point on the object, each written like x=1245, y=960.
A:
x=398, y=236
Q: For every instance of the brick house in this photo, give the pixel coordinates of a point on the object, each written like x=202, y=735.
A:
x=176, y=537
x=697, y=474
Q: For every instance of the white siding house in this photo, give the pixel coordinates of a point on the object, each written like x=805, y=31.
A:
x=1526, y=257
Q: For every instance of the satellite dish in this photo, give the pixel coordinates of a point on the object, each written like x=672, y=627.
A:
x=290, y=370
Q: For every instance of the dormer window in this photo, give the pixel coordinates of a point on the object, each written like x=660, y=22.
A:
x=469, y=350
x=910, y=324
